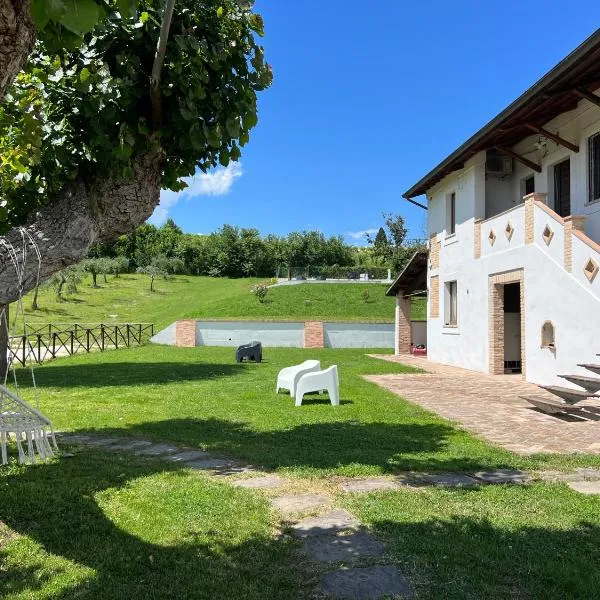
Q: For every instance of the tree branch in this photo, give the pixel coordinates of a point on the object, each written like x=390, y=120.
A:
x=159, y=60
x=17, y=36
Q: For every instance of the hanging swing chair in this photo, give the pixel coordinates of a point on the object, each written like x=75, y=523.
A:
x=19, y=421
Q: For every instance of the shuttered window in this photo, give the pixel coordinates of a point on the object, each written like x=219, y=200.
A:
x=594, y=168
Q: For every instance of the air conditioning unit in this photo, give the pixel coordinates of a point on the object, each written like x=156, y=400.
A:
x=498, y=164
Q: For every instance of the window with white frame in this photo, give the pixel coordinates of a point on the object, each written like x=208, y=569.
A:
x=451, y=213
x=594, y=167
x=451, y=304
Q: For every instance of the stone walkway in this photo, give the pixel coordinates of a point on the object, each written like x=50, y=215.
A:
x=490, y=407
x=353, y=560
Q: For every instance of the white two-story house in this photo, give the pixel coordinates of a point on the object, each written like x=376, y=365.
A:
x=511, y=274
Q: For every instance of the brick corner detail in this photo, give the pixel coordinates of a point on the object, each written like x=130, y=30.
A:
x=185, y=333
x=314, y=334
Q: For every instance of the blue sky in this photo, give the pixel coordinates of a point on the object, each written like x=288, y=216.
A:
x=368, y=97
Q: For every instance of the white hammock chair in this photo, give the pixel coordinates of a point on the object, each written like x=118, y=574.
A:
x=18, y=419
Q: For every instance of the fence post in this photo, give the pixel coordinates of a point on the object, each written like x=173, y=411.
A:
x=128, y=341
x=102, y=337
x=140, y=336
x=72, y=335
x=24, y=346
x=39, y=345
x=116, y=336
x=54, y=345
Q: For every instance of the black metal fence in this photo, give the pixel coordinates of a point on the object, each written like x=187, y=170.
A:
x=40, y=343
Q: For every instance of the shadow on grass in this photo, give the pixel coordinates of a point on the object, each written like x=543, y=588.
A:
x=56, y=505
x=386, y=447
x=467, y=557
x=66, y=375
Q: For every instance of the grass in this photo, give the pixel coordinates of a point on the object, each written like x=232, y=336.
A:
x=201, y=398
x=128, y=299
x=493, y=542
x=103, y=526
x=99, y=526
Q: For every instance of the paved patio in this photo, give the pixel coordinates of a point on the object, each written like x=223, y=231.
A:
x=490, y=407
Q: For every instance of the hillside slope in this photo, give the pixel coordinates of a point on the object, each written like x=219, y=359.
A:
x=128, y=299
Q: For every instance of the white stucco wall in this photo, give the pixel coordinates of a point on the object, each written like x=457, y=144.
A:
x=359, y=335
x=569, y=300
x=235, y=333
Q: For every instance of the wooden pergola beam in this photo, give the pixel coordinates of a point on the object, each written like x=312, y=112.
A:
x=553, y=137
x=521, y=159
x=588, y=96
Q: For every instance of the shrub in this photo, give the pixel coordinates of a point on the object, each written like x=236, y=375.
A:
x=260, y=290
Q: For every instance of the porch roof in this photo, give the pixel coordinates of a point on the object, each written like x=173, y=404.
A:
x=413, y=279
x=559, y=91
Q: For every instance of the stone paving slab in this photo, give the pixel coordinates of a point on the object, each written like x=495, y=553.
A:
x=188, y=455
x=500, y=476
x=293, y=504
x=490, y=406
x=586, y=487
x=369, y=484
x=347, y=548
x=445, y=480
x=128, y=445
x=333, y=522
x=158, y=450
x=588, y=473
x=98, y=442
x=259, y=483
x=207, y=464
x=369, y=583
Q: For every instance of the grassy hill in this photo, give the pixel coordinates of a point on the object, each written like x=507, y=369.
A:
x=128, y=299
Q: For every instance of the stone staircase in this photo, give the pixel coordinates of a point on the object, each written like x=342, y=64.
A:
x=565, y=398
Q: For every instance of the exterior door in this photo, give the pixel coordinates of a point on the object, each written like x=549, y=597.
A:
x=562, y=188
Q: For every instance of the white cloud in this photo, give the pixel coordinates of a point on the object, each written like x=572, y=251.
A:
x=360, y=235
x=216, y=183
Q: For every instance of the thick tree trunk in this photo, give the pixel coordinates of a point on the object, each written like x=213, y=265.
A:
x=17, y=36
x=86, y=212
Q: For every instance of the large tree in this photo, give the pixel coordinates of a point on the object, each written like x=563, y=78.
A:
x=110, y=105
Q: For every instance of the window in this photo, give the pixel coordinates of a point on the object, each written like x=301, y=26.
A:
x=451, y=214
x=529, y=185
x=594, y=167
x=451, y=304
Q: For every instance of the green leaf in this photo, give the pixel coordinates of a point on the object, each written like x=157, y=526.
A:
x=84, y=74
x=127, y=8
x=224, y=158
x=81, y=16
x=144, y=17
x=250, y=120
x=220, y=11
x=233, y=127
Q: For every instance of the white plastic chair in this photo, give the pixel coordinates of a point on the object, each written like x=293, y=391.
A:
x=327, y=380
x=288, y=378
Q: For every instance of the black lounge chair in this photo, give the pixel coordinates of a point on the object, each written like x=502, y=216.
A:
x=251, y=351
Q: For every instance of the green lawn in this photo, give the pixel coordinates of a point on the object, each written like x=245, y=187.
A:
x=494, y=542
x=99, y=526
x=202, y=398
x=102, y=526
x=128, y=299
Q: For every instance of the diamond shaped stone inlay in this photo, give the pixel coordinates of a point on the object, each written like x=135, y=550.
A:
x=591, y=269
x=509, y=230
x=492, y=237
x=547, y=235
